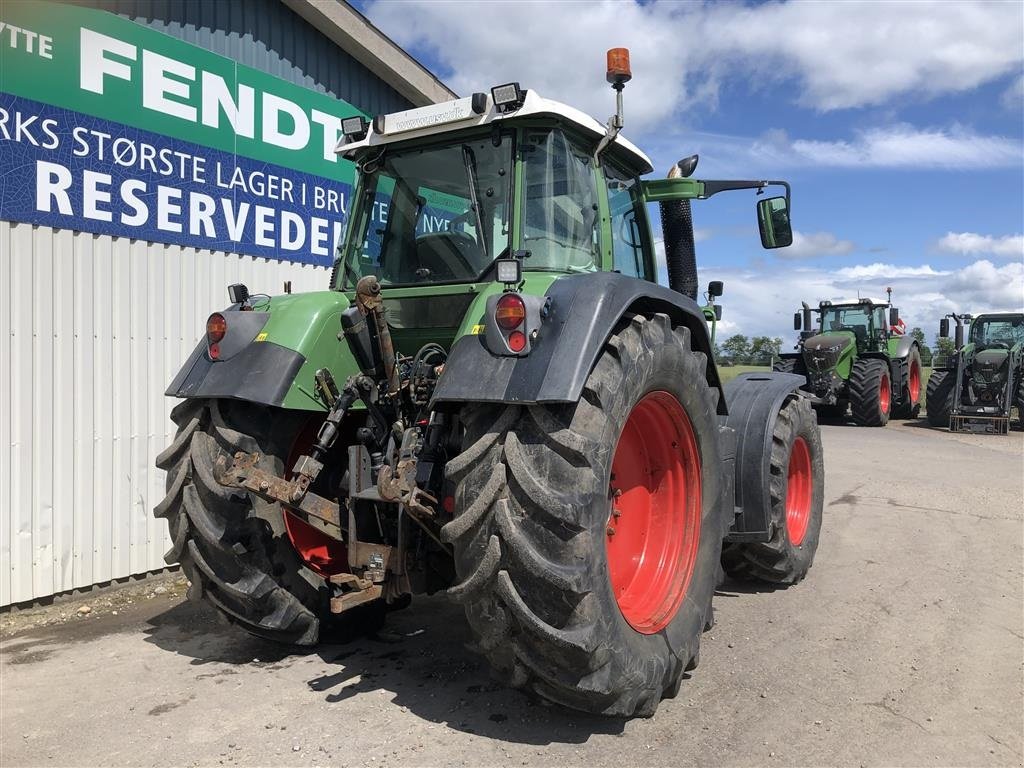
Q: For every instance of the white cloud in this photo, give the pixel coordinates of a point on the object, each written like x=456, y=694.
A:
x=879, y=271
x=852, y=54
x=842, y=55
x=895, y=146
x=761, y=301
x=970, y=243
x=815, y=245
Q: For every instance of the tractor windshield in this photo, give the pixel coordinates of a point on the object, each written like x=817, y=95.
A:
x=863, y=321
x=998, y=333
x=431, y=214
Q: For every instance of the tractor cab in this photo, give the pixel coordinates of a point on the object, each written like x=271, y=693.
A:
x=866, y=321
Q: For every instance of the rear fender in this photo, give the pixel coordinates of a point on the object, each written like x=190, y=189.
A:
x=755, y=400
x=583, y=313
x=271, y=357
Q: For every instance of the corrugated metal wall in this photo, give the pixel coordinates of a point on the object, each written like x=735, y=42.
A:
x=268, y=36
x=92, y=329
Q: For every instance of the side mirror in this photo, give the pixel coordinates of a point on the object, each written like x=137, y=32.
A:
x=944, y=327
x=894, y=316
x=718, y=311
x=798, y=321
x=773, y=221
x=715, y=288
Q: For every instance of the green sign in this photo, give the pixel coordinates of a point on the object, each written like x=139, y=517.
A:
x=99, y=64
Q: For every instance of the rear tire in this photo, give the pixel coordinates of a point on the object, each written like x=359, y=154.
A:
x=233, y=547
x=909, y=405
x=797, y=496
x=939, y=399
x=870, y=392
x=534, y=508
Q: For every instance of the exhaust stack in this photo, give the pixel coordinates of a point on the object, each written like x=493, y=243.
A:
x=677, y=232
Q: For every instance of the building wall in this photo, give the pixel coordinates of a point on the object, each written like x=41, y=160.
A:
x=96, y=320
x=92, y=329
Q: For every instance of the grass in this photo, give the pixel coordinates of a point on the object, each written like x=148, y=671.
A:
x=731, y=372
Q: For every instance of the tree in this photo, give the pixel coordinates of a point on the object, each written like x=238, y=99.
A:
x=926, y=352
x=736, y=349
x=944, y=348
x=764, y=349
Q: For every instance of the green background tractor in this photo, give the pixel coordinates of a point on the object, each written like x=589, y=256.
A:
x=975, y=388
x=525, y=419
x=852, y=358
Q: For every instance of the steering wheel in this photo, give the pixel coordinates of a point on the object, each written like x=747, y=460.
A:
x=996, y=344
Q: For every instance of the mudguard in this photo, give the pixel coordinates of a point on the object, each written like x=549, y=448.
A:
x=582, y=314
x=903, y=346
x=755, y=400
x=271, y=357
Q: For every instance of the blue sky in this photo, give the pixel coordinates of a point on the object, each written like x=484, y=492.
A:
x=900, y=126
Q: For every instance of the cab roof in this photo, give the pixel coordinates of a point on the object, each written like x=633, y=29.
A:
x=448, y=116
x=856, y=302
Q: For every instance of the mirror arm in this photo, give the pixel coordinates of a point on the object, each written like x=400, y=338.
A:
x=714, y=187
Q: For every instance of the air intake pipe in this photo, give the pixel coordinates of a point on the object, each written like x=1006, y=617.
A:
x=677, y=232
x=807, y=317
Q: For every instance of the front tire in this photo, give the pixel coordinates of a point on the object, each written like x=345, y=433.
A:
x=870, y=392
x=547, y=589
x=797, y=495
x=939, y=398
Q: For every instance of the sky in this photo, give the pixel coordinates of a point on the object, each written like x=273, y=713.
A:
x=900, y=126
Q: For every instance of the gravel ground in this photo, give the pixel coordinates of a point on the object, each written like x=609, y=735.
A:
x=903, y=647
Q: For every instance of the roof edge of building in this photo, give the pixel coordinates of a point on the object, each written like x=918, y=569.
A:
x=354, y=33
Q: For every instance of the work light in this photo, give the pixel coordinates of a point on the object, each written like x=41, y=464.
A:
x=509, y=271
x=354, y=128
x=507, y=97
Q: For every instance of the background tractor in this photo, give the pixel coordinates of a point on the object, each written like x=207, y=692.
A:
x=975, y=388
x=857, y=356
x=527, y=421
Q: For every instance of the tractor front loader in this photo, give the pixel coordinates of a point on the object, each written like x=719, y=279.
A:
x=856, y=358
x=976, y=388
x=495, y=398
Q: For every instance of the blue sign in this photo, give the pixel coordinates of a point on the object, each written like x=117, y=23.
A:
x=64, y=169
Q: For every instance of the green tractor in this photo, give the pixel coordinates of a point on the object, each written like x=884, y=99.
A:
x=974, y=389
x=857, y=356
x=526, y=421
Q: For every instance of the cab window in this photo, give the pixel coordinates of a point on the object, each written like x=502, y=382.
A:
x=560, y=211
x=629, y=236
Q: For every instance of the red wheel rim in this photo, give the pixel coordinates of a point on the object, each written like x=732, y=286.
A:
x=799, y=490
x=915, y=383
x=653, y=528
x=883, y=393
x=323, y=554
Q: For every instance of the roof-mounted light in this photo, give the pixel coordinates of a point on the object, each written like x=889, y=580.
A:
x=618, y=73
x=354, y=128
x=508, y=97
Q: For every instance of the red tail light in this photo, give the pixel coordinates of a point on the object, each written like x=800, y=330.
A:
x=510, y=312
x=216, y=327
x=517, y=341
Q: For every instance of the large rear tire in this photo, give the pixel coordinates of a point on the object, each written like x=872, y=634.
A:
x=233, y=547
x=553, y=502
x=909, y=405
x=797, y=495
x=870, y=392
x=939, y=398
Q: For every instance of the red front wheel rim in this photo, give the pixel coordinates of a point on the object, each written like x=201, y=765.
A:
x=653, y=531
x=915, y=383
x=883, y=394
x=323, y=554
x=799, y=491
